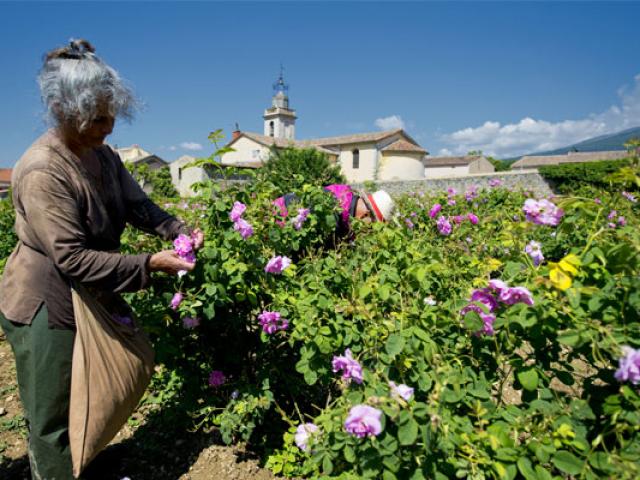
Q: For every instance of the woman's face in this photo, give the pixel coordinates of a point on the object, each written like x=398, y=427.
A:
x=94, y=135
x=362, y=212
x=100, y=128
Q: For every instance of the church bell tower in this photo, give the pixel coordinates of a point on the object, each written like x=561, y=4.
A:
x=280, y=120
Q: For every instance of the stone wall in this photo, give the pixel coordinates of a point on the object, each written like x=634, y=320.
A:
x=521, y=180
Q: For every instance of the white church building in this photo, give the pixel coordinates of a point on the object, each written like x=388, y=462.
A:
x=382, y=155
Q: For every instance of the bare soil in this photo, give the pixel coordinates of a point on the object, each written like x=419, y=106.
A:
x=150, y=449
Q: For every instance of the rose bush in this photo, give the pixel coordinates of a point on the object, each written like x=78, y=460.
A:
x=353, y=359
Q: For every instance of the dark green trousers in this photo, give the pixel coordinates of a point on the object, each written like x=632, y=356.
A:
x=43, y=364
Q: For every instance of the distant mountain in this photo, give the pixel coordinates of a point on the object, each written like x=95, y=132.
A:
x=613, y=141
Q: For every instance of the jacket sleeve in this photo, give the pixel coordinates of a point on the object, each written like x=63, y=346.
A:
x=142, y=213
x=51, y=211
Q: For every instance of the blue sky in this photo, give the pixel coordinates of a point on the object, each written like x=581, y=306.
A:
x=507, y=78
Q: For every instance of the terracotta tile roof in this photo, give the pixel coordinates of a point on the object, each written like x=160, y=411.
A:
x=450, y=161
x=532, y=161
x=354, y=138
x=5, y=175
x=284, y=142
x=401, y=145
x=241, y=165
x=268, y=141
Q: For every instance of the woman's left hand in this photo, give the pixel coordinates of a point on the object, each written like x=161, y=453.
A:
x=198, y=238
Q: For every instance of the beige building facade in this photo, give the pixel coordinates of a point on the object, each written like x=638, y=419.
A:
x=183, y=177
x=440, y=167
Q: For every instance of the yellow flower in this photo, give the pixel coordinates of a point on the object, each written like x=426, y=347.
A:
x=562, y=273
x=569, y=264
x=560, y=280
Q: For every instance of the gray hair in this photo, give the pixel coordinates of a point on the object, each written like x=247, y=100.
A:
x=75, y=83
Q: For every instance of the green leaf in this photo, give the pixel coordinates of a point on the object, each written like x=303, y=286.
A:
x=394, y=345
x=384, y=292
x=364, y=291
x=569, y=337
x=473, y=321
x=349, y=454
x=525, y=468
x=408, y=432
x=387, y=475
x=327, y=465
x=567, y=462
x=310, y=377
x=542, y=473
x=417, y=475
x=528, y=379
x=600, y=461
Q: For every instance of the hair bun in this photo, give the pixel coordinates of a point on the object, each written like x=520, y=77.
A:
x=76, y=50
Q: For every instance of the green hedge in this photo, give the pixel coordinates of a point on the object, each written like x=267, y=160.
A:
x=569, y=176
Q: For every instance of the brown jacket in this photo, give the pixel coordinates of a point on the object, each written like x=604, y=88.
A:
x=69, y=225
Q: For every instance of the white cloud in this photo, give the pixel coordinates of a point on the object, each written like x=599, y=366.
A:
x=173, y=148
x=445, y=152
x=389, y=123
x=531, y=135
x=191, y=146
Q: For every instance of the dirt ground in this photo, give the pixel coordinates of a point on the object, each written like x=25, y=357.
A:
x=148, y=451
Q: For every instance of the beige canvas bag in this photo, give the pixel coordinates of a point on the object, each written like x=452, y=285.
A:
x=112, y=366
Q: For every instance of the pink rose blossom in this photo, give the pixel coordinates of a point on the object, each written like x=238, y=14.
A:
x=542, y=212
x=485, y=297
x=303, y=213
x=237, y=211
x=513, y=295
x=444, y=227
x=217, y=378
x=435, y=210
x=176, y=301
x=183, y=244
x=243, y=227
x=534, y=250
x=402, y=391
x=363, y=421
x=350, y=367
x=473, y=218
x=303, y=433
x=629, y=366
x=190, y=323
x=271, y=322
x=277, y=264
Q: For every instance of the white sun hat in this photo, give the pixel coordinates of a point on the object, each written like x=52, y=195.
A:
x=382, y=205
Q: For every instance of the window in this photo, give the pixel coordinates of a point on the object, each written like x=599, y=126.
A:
x=356, y=158
x=179, y=174
x=271, y=129
x=256, y=154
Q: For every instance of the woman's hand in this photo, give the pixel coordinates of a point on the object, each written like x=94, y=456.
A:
x=168, y=261
x=198, y=238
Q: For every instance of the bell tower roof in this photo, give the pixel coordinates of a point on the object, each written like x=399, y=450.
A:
x=280, y=118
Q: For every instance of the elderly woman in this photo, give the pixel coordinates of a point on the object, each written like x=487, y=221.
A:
x=73, y=198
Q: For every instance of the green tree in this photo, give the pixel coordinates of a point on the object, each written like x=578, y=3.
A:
x=291, y=168
x=498, y=164
x=162, y=184
x=159, y=179
x=633, y=147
